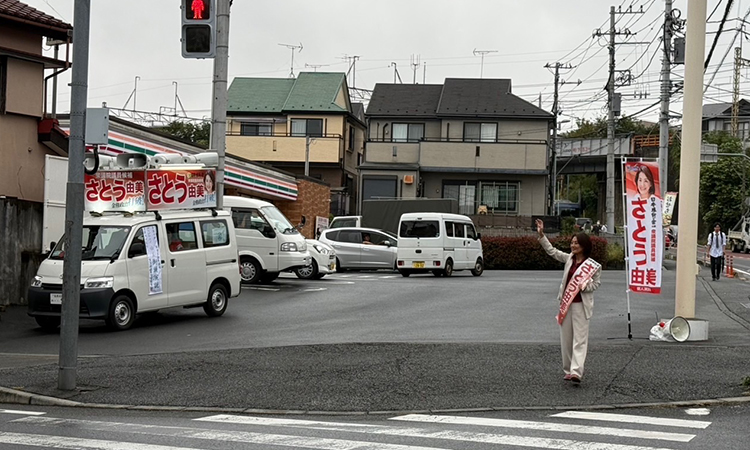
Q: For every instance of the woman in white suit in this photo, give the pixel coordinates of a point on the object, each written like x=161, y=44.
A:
x=576, y=296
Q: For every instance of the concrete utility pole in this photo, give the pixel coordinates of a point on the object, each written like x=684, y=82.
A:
x=555, y=113
x=219, y=103
x=68, y=363
x=690, y=159
x=307, y=156
x=610, y=199
x=739, y=62
x=666, y=88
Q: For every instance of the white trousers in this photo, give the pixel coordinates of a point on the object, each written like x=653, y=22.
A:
x=574, y=340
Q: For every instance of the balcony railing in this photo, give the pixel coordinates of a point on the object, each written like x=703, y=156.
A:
x=294, y=135
x=458, y=140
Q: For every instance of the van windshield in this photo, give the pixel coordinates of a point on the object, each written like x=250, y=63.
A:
x=99, y=242
x=278, y=220
x=419, y=229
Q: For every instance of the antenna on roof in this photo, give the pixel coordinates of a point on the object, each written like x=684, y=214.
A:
x=482, y=53
x=292, y=48
x=352, y=68
x=395, y=73
x=315, y=66
x=414, y=66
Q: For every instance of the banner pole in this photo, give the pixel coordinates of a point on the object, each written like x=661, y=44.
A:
x=624, y=161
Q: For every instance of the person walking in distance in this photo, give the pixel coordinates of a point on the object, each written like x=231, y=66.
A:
x=715, y=248
x=581, y=277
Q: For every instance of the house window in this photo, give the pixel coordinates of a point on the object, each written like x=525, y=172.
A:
x=464, y=192
x=351, y=137
x=307, y=127
x=256, y=129
x=500, y=197
x=407, y=132
x=480, y=132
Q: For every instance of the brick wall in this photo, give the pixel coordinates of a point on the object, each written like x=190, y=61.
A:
x=313, y=199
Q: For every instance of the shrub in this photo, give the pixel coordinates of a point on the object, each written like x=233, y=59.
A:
x=525, y=253
x=615, y=256
x=568, y=226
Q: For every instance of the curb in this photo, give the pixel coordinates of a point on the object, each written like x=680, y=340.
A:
x=12, y=396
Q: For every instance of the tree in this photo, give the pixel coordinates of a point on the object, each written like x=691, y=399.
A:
x=723, y=184
x=197, y=134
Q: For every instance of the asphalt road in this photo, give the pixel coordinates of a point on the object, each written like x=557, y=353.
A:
x=644, y=429
x=363, y=307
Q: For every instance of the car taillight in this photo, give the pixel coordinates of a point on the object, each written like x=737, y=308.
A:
x=437, y=263
x=400, y=263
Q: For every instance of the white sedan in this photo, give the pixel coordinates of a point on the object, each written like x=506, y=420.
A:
x=323, y=261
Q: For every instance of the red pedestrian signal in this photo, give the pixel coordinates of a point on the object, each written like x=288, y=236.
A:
x=197, y=9
x=198, y=28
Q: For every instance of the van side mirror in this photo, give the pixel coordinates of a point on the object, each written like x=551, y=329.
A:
x=52, y=246
x=302, y=223
x=136, y=249
x=479, y=236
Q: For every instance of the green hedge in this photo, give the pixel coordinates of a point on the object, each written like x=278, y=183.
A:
x=526, y=253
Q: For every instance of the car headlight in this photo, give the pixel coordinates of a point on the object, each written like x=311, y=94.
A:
x=37, y=281
x=289, y=247
x=320, y=249
x=99, y=283
x=303, y=246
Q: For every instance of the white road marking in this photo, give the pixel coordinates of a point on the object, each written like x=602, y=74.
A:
x=314, y=289
x=698, y=411
x=545, y=426
x=22, y=413
x=462, y=436
x=633, y=419
x=187, y=433
x=256, y=288
x=62, y=442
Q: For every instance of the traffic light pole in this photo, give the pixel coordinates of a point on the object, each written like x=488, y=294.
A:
x=68, y=362
x=219, y=103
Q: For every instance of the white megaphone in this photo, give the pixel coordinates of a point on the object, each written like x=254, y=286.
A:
x=167, y=159
x=132, y=160
x=208, y=159
x=105, y=162
x=679, y=329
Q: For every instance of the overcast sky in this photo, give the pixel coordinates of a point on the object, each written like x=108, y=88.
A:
x=142, y=38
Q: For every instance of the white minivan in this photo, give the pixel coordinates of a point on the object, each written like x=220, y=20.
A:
x=143, y=262
x=267, y=242
x=440, y=243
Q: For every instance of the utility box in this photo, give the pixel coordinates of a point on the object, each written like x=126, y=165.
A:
x=97, y=126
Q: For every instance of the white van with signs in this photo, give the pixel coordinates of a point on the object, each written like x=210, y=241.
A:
x=438, y=243
x=268, y=243
x=133, y=263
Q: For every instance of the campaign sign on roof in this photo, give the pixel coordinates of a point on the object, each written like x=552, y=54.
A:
x=181, y=189
x=115, y=191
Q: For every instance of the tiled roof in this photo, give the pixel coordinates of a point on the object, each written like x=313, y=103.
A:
x=418, y=100
x=311, y=91
x=16, y=11
x=457, y=97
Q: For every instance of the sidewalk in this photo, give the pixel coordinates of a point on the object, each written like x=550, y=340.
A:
x=380, y=378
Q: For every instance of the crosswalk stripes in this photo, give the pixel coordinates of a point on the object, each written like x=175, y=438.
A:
x=421, y=431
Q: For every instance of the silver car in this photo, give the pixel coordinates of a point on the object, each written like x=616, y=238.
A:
x=323, y=261
x=362, y=248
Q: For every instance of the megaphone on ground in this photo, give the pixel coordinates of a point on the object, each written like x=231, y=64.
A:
x=679, y=329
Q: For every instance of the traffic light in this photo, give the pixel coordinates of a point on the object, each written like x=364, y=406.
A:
x=198, y=28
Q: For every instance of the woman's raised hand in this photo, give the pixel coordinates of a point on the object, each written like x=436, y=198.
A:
x=540, y=227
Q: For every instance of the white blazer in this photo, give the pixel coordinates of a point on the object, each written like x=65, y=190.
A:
x=587, y=295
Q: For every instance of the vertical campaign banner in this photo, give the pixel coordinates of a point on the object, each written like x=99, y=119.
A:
x=180, y=189
x=669, y=200
x=154, y=260
x=115, y=190
x=645, y=233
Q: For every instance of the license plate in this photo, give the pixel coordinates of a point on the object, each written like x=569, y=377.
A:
x=418, y=264
x=55, y=299
x=332, y=266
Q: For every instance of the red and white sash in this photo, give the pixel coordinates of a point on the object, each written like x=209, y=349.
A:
x=584, y=273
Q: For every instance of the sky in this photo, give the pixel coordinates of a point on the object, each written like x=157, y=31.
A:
x=428, y=40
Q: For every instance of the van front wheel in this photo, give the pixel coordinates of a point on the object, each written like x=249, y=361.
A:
x=121, y=313
x=217, y=301
x=249, y=270
x=478, y=268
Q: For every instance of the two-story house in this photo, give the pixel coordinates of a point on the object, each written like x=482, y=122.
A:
x=467, y=139
x=718, y=117
x=305, y=125
x=23, y=67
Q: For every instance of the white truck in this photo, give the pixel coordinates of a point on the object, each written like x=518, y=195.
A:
x=738, y=239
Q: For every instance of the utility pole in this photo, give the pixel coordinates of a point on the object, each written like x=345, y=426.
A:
x=612, y=102
x=695, y=41
x=352, y=69
x=666, y=88
x=739, y=62
x=219, y=103
x=395, y=73
x=307, y=156
x=555, y=113
x=68, y=362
